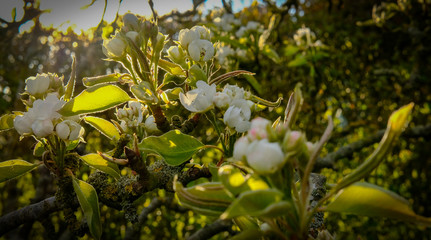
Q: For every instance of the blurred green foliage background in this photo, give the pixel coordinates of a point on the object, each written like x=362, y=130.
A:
x=376, y=58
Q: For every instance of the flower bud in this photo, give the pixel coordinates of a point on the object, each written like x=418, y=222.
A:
x=42, y=128
x=176, y=55
x=114, y=48
x=221, y=100
x=134, y=36
x=69, y=130
x=186, y=36
x=293, y=143
x=240, y=149
x=130, y=20
x=150, y=125
x=201, y=50
x=258, y=129
x=22, y=124
x=38, y=85
x=265, y=157
x=204, y=33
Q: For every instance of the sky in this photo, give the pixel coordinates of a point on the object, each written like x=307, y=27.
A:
x=65, y=13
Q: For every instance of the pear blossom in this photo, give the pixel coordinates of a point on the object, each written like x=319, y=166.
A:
x=150, y=124
x=39, y=119
x=199, y=99
x=234, y=92
x=114, y=47
x=186, y=36
x=201, y=50
x=240, y=149
x=133, y=36
x=238, y=115
x=258, y=128
x=69, y=130
x=38, y=85
x=223, y=53
x=204, y=33
x=265, y=157
x=222, y=100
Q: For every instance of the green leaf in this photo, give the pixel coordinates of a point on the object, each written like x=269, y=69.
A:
x=91, y=81
x=6, y=121
x=270, y=53
x=105, y=127
x=248, y=234
x=14, y=168
x=235, y=182
x=396, y=124
x=95, y=99
x=367, y=199
x=71, y=83
x=72, y=144
x=13, y=13
x=170, y=67
x=96, y=161
x=262, y=203
x=39, y=149
x=298, y=61
x=206, y=198
x=290, y=50
x=89, y=202
x=254, y=83
x=174, y=146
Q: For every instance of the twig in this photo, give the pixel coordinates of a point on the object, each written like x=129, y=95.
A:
x=28, y=214
x=212, y=229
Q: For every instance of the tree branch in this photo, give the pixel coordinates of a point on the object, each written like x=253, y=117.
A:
x=348, y=150
x=28, y=214
x=212, y=229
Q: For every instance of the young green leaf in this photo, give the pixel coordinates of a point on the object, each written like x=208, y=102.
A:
x=174, y=146
x=89, y=202
x=262, y=203
x=298, y=61
x=105, y=127
x=367, y=199
x=71, y=83
x=91, y=81
x=396, y=124
x=96, y=161
x=6, y=121
x=14, y=168
x=206, y=198
x=95, y=99
x=39, y=149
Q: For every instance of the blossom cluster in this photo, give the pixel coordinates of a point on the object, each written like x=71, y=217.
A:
x=306, y=38
x=42, y=118
x=232, y=98
x=266, y=149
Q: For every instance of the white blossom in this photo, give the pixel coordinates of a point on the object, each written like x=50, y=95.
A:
x=238, y=115
x=234, y=92
x=114, y=47
x=69, y=130
x=133, y=36
x=204, y=33
x=199, y=99
x=186, y=36
x=150, y=125
x=39, y=119
x=258, y=128
x=240, y=149
x=38, y=85
x=223, y=53
x=222, y=100
x=265, y=157
x=201, y=50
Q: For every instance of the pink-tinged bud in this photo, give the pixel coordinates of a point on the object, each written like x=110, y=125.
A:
x=294, y=143
x=258, y=129
x=265, y=157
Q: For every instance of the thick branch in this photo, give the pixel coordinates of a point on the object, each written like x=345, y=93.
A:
x=212, y=229
x=347, y=151
x=28, y=214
